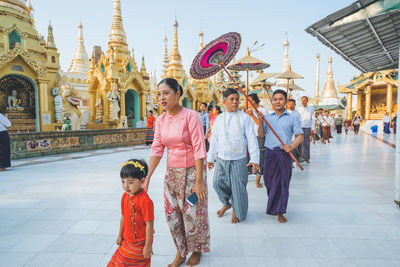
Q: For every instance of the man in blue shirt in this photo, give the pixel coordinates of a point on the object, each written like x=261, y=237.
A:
x=205, y=120
x=278, y=163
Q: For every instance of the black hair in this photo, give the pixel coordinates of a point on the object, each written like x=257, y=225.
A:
x=135, y=172
x=279, y=91
x=204, y=103
x=210, y=107
x=321, y=109
x=306, y=97
x=173, y=84
x=151, y=112
x=292, y=100
x=229, y=92
x=219, y=109
x=255, y=98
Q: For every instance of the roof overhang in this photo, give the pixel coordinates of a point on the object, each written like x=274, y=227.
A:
x=365, y=33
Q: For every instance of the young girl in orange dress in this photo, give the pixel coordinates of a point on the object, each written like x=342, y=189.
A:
x=135, y=238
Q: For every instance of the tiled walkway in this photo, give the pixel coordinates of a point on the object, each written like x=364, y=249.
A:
x=341, y=212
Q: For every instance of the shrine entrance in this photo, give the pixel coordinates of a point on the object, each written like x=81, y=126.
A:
x=132, y=107
x=18, y=96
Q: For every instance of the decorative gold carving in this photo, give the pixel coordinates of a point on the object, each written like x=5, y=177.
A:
x=11, y=54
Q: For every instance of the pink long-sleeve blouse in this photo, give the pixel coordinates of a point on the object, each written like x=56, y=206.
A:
x=182, y=135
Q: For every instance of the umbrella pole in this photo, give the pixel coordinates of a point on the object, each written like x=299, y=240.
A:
x=247, y=90
x=266, y=89
x=287, y=88
x=258, y=112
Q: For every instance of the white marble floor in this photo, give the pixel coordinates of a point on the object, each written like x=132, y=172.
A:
x=341, y=213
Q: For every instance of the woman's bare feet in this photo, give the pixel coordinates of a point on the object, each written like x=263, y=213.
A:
x=194, y=259
x=234, y=219
x=222, y=211
x=281, y=218
x=258, y=184
x=178, y=260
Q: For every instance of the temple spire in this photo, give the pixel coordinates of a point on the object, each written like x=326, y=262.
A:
x=143, y=67
x=286, y=64
x=175, y=59
x=165, y=58
x=329, y=88
x=117, y=34
x=317, y=77
x=201, y=35
x=286, y=55
x=80, y=63
x=50, y=37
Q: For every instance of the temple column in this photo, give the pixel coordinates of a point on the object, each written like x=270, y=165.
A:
x=359, y=103
x=92, y=106
x=43, y=96
x=142, y=106
x=349, y=106
x=367, y=102
x=122, y=103
x=389, y=95
x=106, y=105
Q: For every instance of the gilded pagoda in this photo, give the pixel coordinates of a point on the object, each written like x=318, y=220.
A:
x=28, y=69
x=118, y=89
x=195, y=91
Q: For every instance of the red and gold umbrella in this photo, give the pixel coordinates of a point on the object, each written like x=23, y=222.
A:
x=214, y=57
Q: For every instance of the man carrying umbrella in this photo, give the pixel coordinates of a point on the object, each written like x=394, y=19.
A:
x=232, y=133
x=278, y=163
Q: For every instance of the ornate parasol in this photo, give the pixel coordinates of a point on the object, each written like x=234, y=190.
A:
x=289, y=75
x=214, y=57
x=247, y=64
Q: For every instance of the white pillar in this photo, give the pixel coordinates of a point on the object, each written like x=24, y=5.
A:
x=397, y=163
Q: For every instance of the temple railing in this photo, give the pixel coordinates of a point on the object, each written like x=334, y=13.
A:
x=36, y=144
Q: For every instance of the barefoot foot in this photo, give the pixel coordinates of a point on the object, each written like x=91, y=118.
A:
x=234, y=219
x=178, y=260
x=194, y=259
x=258, y=184
x=281, y=218
x=222, y=211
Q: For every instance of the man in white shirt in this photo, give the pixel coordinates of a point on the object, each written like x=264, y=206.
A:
x=232, y=133
x=308, y=125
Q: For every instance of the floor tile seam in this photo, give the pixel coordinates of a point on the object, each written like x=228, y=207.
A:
x=382, y=140
x=380, y=255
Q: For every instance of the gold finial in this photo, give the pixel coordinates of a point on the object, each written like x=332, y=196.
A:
x=117, y=34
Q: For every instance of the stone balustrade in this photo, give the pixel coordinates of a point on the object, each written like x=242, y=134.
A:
x=35, y=144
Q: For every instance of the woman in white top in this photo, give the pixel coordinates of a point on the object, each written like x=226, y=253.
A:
x=5, y=160
x=386, y=123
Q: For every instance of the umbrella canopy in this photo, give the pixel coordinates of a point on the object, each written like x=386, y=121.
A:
x=289, y=75
x=216, y=55
x=292, y=86
x=248, y=63
x=261, y=79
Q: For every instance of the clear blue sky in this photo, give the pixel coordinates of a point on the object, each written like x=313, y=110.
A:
x=146, y=23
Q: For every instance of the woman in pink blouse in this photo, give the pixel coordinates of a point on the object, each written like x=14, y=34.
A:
x=181, y=131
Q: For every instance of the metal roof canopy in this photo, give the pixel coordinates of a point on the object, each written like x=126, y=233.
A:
x=369, y=44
